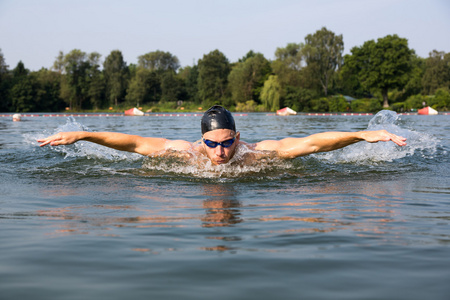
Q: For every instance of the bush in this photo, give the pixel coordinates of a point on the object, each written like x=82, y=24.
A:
x=297, y=98
x=248, y=106
x=338, y=104
x=320, y=105
x=375, y=105
x=441, y=100
x=414, y=102
x=366, y=105
x=399, y=107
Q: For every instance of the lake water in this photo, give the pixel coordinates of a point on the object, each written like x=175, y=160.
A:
x=371, y=221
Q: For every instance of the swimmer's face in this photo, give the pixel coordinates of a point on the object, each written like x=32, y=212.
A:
x=220, y=155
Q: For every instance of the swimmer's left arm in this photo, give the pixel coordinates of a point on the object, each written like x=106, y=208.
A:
x=326, y=141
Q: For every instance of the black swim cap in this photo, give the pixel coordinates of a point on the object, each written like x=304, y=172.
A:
x=217, y=117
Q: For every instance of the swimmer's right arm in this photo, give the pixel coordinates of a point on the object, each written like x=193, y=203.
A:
x=118, y=141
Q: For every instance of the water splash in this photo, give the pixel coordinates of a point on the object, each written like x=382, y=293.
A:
x=192, y=164
x=418, y=143
x=82, y=148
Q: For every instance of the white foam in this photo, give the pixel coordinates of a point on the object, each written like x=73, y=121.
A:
x=85, y=149
x=362, y=152
x=202, y=167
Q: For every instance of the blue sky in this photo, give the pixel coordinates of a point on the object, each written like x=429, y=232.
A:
x=34, y=31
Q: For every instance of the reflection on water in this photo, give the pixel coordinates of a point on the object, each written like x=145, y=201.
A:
x=367, y=210
x=221, y=206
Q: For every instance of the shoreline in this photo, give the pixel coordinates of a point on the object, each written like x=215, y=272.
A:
x=192, y=114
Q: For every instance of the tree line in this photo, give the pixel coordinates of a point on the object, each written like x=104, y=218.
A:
x=313, y=75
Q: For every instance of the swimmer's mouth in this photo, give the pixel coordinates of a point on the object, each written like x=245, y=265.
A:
x=220, y=162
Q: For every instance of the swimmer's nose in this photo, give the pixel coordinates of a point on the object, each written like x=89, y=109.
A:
x=219, y=150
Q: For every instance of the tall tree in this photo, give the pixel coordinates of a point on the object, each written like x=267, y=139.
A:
x=189, y=75
x=58, y=65
x=48, y=93
x=3, y=65
x=171, y=87
x=23, y=91
x=115, y=72
x=79, y=69
x=414, y=85
x=288, y=64
x=271, y=93
x=4, y=84
x=382, y=65
x=249, y=54
x=96, y=82
x=159, y=61
x=323, y=55
x=437, y=72
x=144, y=87
x=291, y=55
x=73, y=83
x=247, y=78
x=20, y=71
x=213, y=71
x=37, y=91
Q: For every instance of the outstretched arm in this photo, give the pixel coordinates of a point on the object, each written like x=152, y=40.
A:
x=327, y=141
x=119, y=141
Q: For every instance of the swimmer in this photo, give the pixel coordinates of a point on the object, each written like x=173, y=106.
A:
x=220, y=140
x=17, y=117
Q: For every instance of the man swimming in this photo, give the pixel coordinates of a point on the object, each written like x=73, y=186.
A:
x=220, y=140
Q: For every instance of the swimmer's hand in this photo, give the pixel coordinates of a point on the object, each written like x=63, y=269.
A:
x=382, y=136
x=62, y=138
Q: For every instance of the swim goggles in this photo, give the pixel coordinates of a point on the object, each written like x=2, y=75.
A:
x=224, y=144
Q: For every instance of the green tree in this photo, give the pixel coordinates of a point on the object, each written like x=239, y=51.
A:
x=73, y=84
x=382, y=65
x=96, y=90
x=247, y=78
x=437, y=72
x=288, y=65
x=291, y=55
x=213, y=71
x=297, y=98
x=189, y=75
x=115, y=72
x=143, y=88
x=171, y=87
x=337, y=104
x=249, y=54
x=137, y=89
x=159, y=61
x=5, y=83
x=320, y=105
x=23, y=91
x=58, y=65
x=48, y=93
x=271, y=93
x=3, y=65
x=414, y=85
x=79, y=71
x=37, y=91
x=323, y=55
x=441, y=99
x=20, y=71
